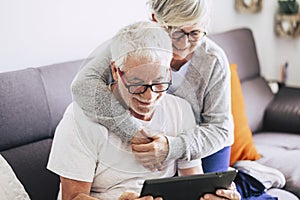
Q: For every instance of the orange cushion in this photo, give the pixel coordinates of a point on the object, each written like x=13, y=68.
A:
x=243, y=147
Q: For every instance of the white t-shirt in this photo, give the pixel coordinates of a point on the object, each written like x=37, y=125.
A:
x=86, y=151
x=178, y=77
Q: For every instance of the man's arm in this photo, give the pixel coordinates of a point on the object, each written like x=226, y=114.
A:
x=75, y=190
x=90, y=91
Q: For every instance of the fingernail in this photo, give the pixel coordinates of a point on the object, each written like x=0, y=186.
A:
x=219, y=192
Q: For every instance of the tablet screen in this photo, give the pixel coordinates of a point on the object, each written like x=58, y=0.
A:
x=188, y=187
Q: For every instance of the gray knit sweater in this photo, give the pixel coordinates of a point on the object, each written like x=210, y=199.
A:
x=206, y=87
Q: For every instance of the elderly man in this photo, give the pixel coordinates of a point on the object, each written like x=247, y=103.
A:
x=94, y=163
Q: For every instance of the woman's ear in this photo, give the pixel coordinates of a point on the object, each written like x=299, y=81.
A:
x=114, y=71
x=153, y=17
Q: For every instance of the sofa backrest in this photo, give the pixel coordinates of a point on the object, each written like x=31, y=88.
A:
x=32, y=102
x=240, y=48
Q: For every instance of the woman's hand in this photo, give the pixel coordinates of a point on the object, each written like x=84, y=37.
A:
x=153, y=154
x=135, y=196
x=221, y=194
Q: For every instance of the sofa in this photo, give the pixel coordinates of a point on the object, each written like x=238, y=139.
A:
x=33, y=100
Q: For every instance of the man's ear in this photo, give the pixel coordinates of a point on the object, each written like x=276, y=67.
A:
x=114, y=70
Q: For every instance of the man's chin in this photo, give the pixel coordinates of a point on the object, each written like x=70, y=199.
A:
x=142, y=112
x=145, y=110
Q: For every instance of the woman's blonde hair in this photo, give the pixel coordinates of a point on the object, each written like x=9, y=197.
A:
x=170, y=13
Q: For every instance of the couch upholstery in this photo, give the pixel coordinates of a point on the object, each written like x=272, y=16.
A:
x=32, y=101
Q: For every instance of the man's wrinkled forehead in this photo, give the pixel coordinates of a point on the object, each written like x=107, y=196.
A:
x=147, y=71
x=142, y=63
x=146, y=68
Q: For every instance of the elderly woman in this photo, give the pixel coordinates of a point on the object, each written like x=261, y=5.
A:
x=200, y=74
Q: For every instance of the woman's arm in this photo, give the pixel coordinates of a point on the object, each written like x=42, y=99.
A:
x=208, y=92
x=75, y=190
x=90, y=91
x=190, y=171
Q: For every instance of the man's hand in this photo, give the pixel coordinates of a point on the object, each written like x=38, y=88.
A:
x=141, y=138
x=151, y=155
x=83, y=196
x=135, y=196
x=231, y=193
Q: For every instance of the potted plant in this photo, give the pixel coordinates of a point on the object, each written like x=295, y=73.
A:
x=288, y=6
x=287, y=19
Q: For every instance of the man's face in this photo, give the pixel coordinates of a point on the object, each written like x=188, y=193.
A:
x=138, y=72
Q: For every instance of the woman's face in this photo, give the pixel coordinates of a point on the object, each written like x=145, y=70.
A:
x=185, y=40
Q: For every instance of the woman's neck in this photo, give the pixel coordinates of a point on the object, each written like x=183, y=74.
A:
x=177, y=64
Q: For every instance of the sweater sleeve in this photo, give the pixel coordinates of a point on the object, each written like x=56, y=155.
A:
x=214, y=129
x=90, y=91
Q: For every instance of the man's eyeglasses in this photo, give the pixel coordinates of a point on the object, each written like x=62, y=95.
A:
x=193, y=36
x=141, y=88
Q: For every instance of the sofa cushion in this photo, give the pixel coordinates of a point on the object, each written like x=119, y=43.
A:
x=281, y=151
x=282, y=194
x=283, y=113
x=24, y=112
x=29, y=164
x=240, y=49
x=243, y=147
x=257, y=96
x=57, y=80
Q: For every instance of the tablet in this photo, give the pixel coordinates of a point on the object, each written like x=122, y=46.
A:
x=188, y=187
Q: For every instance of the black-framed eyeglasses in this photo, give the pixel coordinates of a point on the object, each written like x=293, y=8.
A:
x=141, y=88
x=192, y=36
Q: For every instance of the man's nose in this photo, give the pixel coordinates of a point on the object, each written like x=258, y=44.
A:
x=149, y=94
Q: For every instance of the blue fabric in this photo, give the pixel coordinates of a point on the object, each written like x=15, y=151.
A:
x=250, y=188
x=217, y=162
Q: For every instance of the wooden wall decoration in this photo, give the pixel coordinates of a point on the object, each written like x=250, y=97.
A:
x=287, y=25
x=248, y=6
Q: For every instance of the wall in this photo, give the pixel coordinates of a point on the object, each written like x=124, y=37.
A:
x=35, y=33
x=272, y=51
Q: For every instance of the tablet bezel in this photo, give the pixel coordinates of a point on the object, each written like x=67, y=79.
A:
x=190, y=187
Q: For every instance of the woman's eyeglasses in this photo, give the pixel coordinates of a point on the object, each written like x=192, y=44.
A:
x=193, y=36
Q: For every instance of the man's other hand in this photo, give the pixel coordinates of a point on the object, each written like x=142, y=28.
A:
x=231, y=193
x=135, y=196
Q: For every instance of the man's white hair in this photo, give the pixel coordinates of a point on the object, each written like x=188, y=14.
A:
x=143, y=40
x=180, y=12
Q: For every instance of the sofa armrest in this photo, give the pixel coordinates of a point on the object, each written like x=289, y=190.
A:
x=283, y=113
